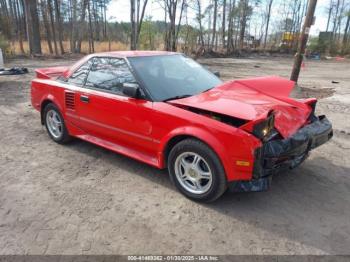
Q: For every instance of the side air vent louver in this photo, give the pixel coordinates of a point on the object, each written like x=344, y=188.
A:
x=70, y=101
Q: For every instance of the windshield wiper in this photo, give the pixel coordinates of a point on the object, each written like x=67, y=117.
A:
x=176, y=97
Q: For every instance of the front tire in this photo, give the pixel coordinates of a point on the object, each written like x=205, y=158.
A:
x=55, y=126
x=196, y=171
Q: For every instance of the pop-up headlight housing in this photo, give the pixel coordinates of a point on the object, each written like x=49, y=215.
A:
x=265, y=128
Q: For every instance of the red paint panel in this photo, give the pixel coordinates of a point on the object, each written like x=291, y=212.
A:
x=50, y=72
x=239, y=99
x=142, y=129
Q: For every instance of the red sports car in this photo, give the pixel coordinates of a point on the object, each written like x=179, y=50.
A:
x=168, y=111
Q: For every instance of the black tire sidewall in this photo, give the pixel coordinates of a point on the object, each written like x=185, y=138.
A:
x=65, y=135
x=218, y=185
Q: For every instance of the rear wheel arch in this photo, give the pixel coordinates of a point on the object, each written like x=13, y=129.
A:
x=55, y=127
x=42, y=108
x=45, y=102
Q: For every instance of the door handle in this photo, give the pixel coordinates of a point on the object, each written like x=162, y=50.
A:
x=84, y=99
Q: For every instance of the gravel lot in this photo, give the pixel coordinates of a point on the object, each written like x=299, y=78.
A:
x=82, y=199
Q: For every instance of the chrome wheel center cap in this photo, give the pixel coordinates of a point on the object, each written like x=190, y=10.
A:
x=192, y=173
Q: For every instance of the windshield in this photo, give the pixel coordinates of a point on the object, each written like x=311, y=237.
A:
x=172, y=76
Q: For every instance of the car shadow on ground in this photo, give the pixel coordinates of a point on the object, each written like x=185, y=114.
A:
x=123, y=162
x=307, y=205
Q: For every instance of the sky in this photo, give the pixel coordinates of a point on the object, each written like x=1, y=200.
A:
x=119, y=10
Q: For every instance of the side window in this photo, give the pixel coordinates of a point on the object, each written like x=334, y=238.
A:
x=109, y=74
x=79, y=76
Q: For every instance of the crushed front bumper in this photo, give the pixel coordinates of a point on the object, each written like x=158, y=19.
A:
x=282, y=154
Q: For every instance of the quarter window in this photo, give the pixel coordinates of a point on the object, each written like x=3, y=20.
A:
x=109, y=74
x=79, y=76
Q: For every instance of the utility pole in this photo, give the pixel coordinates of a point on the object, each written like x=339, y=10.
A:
x=303, y=40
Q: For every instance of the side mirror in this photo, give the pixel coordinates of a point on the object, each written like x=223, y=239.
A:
x=217, y=73
x=131, y=90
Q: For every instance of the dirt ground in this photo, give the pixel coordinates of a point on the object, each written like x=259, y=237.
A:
x=82, y=199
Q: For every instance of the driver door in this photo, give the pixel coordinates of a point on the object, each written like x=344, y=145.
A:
x=106, y=113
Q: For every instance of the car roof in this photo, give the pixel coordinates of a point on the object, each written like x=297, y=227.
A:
x=119, y=54
x=135, y=53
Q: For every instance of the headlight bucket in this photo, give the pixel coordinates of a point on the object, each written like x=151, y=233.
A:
x=264, y=128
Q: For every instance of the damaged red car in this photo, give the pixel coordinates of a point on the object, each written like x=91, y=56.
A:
x=168, y=111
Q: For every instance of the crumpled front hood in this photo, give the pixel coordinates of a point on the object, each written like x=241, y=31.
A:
x=253, y=99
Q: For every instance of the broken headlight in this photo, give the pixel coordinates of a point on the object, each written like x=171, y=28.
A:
x=265, y=128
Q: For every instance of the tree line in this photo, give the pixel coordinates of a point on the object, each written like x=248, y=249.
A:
x=224, y=26
x=55, y=21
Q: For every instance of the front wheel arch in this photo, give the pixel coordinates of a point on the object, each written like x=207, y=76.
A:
x=171, y=143
x=218, y=178
x=177, y=139
x=174, y=140
x=178, y=135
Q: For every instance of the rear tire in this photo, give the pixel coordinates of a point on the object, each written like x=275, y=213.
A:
x=196, y=171
x=55, y=126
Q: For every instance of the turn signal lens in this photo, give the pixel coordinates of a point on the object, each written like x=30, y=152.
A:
x=242, y=163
